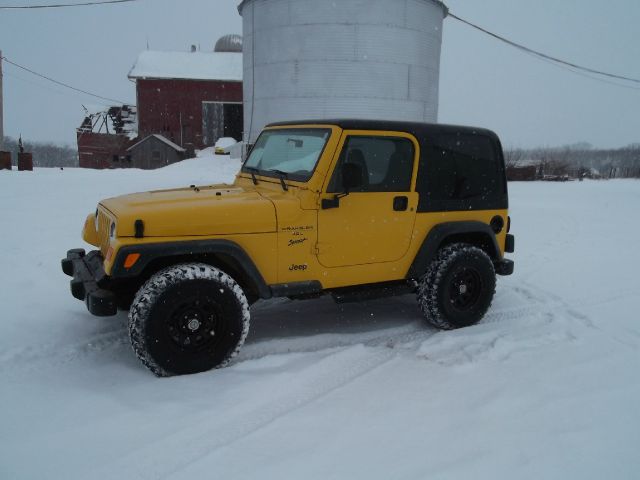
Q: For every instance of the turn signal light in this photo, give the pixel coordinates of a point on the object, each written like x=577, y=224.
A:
x=131, y=260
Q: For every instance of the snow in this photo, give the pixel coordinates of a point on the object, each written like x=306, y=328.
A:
x=188, y=65
x=546, y=386
x=225, y=142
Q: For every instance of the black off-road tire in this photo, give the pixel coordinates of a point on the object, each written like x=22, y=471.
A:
x=458, y=287
x=188, y=318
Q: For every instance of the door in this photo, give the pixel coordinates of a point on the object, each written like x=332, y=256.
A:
x=212, y=122
x=233, y=118
x=221, y=120
x=374, y=222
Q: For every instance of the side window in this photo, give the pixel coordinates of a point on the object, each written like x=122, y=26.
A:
x=463, y=172
x=386, y=163
x=468, y=168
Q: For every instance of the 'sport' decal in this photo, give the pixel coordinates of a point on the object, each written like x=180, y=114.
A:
x=296, y=241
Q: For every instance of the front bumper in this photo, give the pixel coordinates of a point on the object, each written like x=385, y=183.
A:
x=88, y=273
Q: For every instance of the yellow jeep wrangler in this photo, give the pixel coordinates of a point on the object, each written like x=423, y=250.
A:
x=357, y=209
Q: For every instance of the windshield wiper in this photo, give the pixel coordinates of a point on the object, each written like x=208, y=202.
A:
x=282, y=175
x=253, y=172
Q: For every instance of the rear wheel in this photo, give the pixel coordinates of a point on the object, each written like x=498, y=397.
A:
x=188, y=318
x=458, y=287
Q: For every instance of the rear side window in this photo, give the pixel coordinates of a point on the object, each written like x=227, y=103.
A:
x=387, y=163
x=462, y=172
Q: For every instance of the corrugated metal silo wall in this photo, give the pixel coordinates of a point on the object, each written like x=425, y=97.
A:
x=340, y=58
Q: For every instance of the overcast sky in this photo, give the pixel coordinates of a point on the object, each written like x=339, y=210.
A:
x=483, y=82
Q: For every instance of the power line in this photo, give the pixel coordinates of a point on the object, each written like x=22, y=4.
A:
x=584, y=74
x=546, y=56
x=64, y=5
x=62, y=83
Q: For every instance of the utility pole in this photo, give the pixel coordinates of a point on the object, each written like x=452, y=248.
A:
x=1, y=110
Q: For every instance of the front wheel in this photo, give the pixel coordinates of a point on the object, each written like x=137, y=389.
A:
x=188, y=318
x=458, y=287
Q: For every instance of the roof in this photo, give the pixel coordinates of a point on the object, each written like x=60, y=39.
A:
x=229, y=43
x=164, y=140
x=415, y=128
x=188, y=66
x=244, y=3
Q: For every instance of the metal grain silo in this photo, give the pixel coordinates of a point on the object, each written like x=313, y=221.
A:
x=340, y=58
x=229, y=43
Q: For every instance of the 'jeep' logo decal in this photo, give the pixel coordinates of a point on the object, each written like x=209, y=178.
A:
x=298, y=267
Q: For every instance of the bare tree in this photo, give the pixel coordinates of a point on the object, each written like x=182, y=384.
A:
x=513, y=157
x=45, y=154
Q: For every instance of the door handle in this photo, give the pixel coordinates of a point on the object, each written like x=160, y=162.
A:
x=400, y=204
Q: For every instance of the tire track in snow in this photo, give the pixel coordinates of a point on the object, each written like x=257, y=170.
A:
x=52, y=355
x=535, y=302
x=195, y=442
x=545, y=319
x=586, y=320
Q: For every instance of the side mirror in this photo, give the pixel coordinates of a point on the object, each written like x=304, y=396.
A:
x=351, y=176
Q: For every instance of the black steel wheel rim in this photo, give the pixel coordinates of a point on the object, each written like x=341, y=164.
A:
x=465, y=288
x=196, y=324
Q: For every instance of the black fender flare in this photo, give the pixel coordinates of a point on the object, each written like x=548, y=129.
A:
x=439, y=234
x=150, y=252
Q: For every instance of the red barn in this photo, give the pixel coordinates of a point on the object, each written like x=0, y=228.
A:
x=190, y=98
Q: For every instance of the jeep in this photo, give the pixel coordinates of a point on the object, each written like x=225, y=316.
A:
x=356, y=209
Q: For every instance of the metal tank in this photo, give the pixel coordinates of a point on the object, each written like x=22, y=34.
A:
x=323, y=59
x=229, y=43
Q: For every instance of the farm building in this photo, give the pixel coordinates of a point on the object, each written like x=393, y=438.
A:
x=190, y=98
x=522, y=173
x=104, y=136
x=155, y=151
x=184, y=99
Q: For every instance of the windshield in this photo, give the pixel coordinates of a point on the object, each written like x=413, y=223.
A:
x=292, y=151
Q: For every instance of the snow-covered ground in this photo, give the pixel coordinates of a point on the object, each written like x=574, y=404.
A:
x=546, y=387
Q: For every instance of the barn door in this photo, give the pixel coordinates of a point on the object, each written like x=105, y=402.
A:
x=212, y=122
x=233, y=119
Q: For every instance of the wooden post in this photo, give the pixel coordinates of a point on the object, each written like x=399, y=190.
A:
x=5, y=160
x=25, y=162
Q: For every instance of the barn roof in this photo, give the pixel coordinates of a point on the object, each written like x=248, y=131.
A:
x=226, y=66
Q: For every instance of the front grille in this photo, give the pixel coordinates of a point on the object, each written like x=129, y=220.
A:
x=104, y=223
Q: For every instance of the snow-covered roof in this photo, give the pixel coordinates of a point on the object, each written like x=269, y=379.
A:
x=528, y=162
x=188, y=65
x=176, y=147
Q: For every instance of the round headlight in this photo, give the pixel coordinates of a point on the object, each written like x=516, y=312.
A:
x=112, y=231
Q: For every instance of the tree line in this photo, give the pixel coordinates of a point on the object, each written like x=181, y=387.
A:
x=45, y=154
x=580, y=160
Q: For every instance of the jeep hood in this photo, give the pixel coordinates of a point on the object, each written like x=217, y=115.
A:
x=211, y=210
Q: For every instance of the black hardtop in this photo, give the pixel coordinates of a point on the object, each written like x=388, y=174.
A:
x=460, y=168
x=418, y=129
